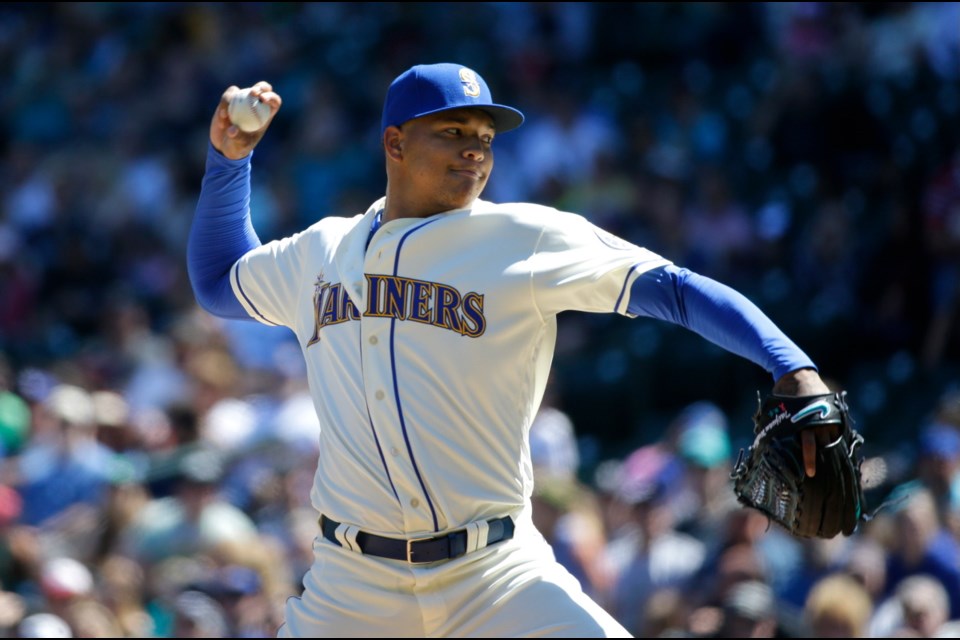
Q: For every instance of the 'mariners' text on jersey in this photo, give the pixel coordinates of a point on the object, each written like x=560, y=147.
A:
x=432, y=303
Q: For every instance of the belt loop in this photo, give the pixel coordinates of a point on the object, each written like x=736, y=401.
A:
x=477, y=533
x=347, y=536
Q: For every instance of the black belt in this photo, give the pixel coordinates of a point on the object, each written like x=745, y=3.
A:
x=420, y=550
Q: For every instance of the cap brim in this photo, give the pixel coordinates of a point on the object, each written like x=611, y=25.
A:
x=504, y=118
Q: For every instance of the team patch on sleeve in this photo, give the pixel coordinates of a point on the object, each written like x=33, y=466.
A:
x=614, y=242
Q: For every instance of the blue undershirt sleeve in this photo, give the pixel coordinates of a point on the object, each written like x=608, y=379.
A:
x=719, y=313
x=221, y=232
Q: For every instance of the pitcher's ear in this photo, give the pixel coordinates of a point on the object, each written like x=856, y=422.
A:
x=393, y=142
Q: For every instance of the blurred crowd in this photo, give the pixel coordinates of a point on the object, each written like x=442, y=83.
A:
x=155, y=462
x=660, y=540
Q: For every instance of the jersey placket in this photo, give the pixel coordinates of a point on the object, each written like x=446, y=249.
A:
x=380, y=386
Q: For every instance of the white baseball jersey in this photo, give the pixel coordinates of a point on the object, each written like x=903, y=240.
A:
x=428, y=351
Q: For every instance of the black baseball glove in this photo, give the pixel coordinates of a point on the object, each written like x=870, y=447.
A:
x=770, y=475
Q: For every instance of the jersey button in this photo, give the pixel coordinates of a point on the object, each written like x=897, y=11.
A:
x=379, y=394
x=394, y=451
x=373, y=340
x=414, y=503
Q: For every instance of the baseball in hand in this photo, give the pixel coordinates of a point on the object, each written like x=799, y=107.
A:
x=247, y=112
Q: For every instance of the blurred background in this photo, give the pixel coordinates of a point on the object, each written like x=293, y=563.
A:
x=155, y=462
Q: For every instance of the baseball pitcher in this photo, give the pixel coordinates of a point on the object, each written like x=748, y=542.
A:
x=428, y=325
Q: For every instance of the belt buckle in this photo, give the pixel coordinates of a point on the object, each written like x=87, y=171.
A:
x=410, y=542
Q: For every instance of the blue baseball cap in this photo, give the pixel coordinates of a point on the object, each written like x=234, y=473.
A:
x=431, y=88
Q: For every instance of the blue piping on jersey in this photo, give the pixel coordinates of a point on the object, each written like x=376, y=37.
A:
x=249, y=301
x=396, y=387
x=623, y=289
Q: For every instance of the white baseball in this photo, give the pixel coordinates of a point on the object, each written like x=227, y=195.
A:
x=247, y=112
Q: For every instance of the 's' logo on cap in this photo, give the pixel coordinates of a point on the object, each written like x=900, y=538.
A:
x=469, y=81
